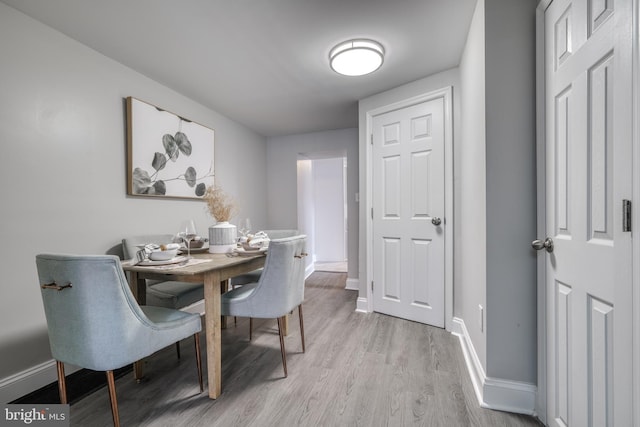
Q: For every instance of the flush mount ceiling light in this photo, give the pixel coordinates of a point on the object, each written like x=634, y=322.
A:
x=356, y=57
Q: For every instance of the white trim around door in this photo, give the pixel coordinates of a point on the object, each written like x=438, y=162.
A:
x=635, y=231
x=366, y=304
x=541, y=400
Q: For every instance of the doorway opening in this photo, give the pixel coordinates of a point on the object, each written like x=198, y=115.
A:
x=322, y=209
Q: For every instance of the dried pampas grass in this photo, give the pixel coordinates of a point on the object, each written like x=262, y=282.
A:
x=220, y=205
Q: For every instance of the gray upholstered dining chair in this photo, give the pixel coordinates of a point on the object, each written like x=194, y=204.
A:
x=164, y=293
x=169, y=294
x=253, y=276
x=279, y=290
x=95, y=323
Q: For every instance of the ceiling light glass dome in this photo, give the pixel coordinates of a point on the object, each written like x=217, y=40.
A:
x=356, y=57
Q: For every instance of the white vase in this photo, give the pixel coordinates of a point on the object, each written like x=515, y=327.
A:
x=222, y=237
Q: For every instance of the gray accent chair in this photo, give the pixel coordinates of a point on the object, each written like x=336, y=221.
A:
x=279, y=290
x=95, y=323
x=254, y=276
x=168, y=294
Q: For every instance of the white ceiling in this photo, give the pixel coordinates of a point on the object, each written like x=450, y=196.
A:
x=264, y=63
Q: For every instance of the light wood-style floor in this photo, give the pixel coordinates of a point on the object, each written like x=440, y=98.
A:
x=358, y=370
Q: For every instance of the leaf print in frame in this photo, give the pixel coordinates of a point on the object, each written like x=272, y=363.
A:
x=167, y=155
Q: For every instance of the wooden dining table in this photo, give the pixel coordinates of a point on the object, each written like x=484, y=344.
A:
x=214, y=271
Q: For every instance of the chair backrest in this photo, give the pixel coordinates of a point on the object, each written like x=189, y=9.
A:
x=281, y=233
x=92, y=323
x=281, y=285
x=129, y=244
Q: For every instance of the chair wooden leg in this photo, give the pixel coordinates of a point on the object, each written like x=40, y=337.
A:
x=224, y=288
x=178, y=349
x=285, y=325
x=301, y=325
x=112, y=398
x=250, y=327
x=282, y=350
x=199, y=360
x=62, y=385
x=138, y=371
x=235, y=318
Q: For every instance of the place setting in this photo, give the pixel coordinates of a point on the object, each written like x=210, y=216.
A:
x=175, y=254
x=152, y=254
x=250, y=244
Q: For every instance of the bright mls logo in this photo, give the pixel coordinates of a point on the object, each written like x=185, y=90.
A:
x=35, y=415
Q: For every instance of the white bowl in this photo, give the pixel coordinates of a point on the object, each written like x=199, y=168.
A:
x=247, y=247
x=163, y=255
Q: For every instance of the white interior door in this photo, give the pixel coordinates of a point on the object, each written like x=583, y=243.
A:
x=588, y=174
x=408, y=212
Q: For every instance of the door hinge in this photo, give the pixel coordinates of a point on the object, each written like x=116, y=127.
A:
x=626, y=215
x=371, y=139
x=372, y=286
x=371, y=213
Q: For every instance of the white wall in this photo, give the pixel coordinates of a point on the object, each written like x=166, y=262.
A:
x=470, y=255
x=495, y=266
x=63, y=175
x=282, y=157
x=511, y=189
x=328, y=191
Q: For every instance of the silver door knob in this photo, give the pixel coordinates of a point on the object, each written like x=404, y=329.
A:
x=546, y=244
x=436, y=221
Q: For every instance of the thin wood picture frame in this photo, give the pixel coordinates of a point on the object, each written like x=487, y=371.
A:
x=168, y=156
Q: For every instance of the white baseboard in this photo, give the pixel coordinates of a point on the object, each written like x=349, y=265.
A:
x=476, y=371
x=362, y=306
x=29, y=380
x=494, y=393
x=352, y=284
x=510, y=396
x=309, y=270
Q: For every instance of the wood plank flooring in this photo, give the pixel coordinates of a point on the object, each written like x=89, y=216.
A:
x=358, y=370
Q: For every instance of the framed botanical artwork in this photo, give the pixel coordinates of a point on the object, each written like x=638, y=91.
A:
x=167, y=155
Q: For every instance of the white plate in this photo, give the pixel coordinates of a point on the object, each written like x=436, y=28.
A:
x=176, y=260
x=243, y=252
